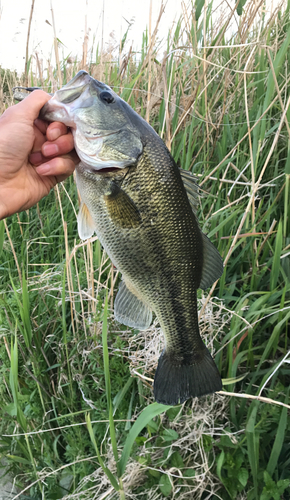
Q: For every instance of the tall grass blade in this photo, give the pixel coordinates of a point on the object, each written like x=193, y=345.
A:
x=106, y=352
x=108, y=473
x=25, y=312
x=64, y=330
x=253, y=444
x=281, y=54
x=32, y=460
x=273, y=338
x=14, y=384
x=121, y=394
x=129, y=413
x=278, y=443
x=198, y=8
x=108, y=382
x=275, y=271
x=150, y=412
x=14, y=369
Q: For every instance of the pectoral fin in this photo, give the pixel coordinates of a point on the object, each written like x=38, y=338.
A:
x=130, y=309
x=121, y=208
x=86, y=226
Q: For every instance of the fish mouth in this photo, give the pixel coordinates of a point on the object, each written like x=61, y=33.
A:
x=108, y=170
x=90, y=158
x=105, y=171
x=98, y=164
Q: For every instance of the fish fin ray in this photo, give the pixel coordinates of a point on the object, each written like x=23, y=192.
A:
x=191, y=188
x=175, y=383
x=130, y=309
x=121, y=208
x=212, y=267
x=86, y=225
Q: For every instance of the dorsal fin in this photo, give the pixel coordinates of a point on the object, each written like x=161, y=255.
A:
x=212, y=267
x=191, y=188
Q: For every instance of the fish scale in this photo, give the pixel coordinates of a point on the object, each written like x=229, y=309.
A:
x=142, y=207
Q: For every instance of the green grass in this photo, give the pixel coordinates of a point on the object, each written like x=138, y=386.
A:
x=77, y=411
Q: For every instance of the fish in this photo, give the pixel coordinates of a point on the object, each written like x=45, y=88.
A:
x=143, y=209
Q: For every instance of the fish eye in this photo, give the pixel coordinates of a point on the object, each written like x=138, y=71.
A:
x=107, y=97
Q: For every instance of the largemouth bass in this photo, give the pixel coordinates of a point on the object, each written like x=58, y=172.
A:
x=142, y=207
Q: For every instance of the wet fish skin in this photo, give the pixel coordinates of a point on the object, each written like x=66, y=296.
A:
x=143, y=217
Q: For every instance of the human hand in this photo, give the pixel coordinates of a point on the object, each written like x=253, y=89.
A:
x=26, y=141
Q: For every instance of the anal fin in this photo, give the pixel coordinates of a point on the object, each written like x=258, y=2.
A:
x=130, y=309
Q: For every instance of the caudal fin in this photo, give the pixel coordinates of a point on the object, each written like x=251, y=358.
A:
x=175, y=383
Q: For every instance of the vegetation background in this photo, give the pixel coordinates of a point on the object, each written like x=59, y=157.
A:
x=77, y=412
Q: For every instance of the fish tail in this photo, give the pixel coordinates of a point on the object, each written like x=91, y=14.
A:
x=175, y=382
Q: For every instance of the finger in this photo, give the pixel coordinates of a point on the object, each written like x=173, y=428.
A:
x=31, y=105
x=62, y=166
x=41, y=125
x=39, y=139
x=55, y=130
x=63, y=145
x=36, y=158
x=43, y=149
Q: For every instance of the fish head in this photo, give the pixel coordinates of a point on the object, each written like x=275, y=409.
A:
x=104, y=133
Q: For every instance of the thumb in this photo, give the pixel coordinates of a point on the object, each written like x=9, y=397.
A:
x=32, y=104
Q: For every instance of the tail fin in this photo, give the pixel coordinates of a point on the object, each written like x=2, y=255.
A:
x=174, y=384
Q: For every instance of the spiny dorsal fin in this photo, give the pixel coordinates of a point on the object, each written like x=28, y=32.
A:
x=130, y=309
x=86, y=226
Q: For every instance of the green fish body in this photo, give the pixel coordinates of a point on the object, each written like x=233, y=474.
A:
x=142, y=209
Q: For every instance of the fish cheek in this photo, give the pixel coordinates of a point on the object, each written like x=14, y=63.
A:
x=122, y=146
x=109, y=153
x=121, y=209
